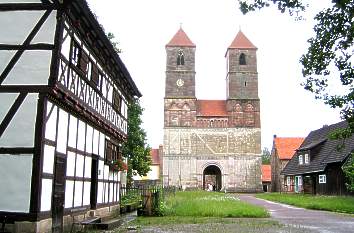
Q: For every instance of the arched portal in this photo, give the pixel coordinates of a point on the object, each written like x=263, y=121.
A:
x=212, y=175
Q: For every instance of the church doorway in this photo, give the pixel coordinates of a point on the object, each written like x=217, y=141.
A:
x=212, y=175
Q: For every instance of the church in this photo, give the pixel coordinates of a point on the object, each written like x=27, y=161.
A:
x=212, y=142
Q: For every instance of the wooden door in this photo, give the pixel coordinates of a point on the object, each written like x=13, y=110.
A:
x=58, y=194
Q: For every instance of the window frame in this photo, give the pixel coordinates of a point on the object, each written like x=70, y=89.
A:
x=322, y=179
x=301, y=159
x=306, y=159
x=242, y=59
x=116, y=101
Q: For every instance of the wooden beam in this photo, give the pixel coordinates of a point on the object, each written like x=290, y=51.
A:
x=10, y=114
x=26, y=6
x=24, y=88
x=16, y=150
x=39, y=46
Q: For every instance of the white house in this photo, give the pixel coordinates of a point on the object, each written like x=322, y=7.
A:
x=64, y=93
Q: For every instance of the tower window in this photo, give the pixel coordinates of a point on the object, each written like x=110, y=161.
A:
x=180, y=58
x=242, y=59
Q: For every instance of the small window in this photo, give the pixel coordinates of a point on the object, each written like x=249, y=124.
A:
x=288, y=180
x=95, y=77
x=322, y=179
x=83, y=62
x=180, y=58
x=307, y=159
x=301, y=160
x=112, y=152
x=117, y=101
x=242, y=59
x=76, y=53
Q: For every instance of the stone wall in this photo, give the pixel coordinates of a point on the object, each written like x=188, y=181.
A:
x=235, y=151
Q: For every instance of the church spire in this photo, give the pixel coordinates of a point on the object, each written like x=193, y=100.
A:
x=241, y=42
x=180, y=39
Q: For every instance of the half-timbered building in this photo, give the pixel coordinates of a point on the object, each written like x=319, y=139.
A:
x=64, y=93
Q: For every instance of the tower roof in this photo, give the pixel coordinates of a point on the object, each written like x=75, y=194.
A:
x=180, y=39
x=208, y=108
x=241, y=42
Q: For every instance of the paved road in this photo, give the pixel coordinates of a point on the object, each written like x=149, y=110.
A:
x=312, y=220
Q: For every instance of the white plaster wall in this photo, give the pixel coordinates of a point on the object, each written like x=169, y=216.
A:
x=23, y=121
x=27, y=71
x=15, y=182
x=46, y=194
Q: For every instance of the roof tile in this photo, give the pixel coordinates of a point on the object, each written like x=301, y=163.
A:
x=266, y=173
x=180, y=39
x=286, y=147
x=155, y=158
x=241, y=42
x=211, y=108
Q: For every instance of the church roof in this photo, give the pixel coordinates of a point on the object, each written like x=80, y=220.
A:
x=241, y=42
x=211, y=108
x=155, y=158
x=286, y=147
x=180, y=39
x=266, y=171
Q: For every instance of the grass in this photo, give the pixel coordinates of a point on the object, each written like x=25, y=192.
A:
x=211, y=204
x=341, y=204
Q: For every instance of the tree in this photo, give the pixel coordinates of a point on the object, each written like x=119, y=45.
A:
x=348, y=169
x=135, y=148
x=265, y=156
x=329, y=57
x=114, y=43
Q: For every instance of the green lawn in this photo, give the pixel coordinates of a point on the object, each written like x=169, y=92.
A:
x=210, y=204
x=339, y=204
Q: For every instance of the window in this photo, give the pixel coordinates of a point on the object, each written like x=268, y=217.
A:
x=79, y=58
x=301, y=160
x=95, y=77
x=322, y=179
x=307, y=159
x=180, y=58
x=117, y=101
x=112, y=152
x=288, y=180
x=242, y=59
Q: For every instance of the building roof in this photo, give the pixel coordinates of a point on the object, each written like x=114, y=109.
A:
x=322, y=151
x=241, y=42
x=210, y=108
x=287, y=146
x=266, y=173
x=88, y=22
x=180, y=39
x=155, y=158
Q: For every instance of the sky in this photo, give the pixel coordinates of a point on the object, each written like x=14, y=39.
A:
x=143, y=28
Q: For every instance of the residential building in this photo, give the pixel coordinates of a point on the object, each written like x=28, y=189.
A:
x=64, y=93
x=283, y=150
x=266, y=177
x=316, y=168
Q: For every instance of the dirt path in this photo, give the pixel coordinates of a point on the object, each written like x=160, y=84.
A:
x=312, y=220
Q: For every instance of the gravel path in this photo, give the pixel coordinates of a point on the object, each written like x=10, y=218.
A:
x=312, y=220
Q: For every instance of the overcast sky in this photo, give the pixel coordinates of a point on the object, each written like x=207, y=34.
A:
x=143, y=28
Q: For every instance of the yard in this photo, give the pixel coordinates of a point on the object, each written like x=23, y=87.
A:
x=341, y=204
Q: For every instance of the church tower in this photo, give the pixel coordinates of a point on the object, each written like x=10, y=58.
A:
x=242, y=83
x=180, y=81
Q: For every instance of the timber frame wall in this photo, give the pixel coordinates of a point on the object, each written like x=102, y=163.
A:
x=69, y=87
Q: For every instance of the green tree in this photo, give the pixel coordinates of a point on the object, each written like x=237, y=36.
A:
x=329, y=57
x=115, y=43
x=265, y=156
x=135, y=148
x=348, y=169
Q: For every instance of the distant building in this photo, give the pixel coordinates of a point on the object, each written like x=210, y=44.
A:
x=283, y=150
x=214, y=142
x=266, y=177
x=64, y=93
x=316, y=168
x=154, y=175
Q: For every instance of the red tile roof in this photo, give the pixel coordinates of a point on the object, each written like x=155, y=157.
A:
x=266, y=173
x=155, y=158
x=241, y=42
x=180, y=39
x=286, y=146
x=211, y=108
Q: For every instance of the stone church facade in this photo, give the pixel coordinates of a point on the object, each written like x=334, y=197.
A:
x=214, y=142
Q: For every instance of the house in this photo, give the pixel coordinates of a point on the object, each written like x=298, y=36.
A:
x=215, y=142
x=154, y=175
x=316, y=168
x=64, y=93
x=266, y=177
x=282, y=151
